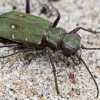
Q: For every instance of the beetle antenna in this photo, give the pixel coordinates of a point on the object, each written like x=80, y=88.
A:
x=83, y=47
x=90, y=74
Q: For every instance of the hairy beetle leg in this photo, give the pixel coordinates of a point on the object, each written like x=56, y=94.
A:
x=28, y=6
x=54, y=72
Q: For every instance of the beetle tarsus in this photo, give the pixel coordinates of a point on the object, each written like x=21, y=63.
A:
x=54, y=72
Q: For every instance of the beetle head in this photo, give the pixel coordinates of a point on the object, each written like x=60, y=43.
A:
x=71, y=44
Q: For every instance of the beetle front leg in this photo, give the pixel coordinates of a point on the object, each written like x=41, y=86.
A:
x=54, y=72
x=28, y=6
x=78, y=28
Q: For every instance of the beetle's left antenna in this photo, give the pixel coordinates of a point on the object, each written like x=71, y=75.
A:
x=90, y=74
x=28, y=6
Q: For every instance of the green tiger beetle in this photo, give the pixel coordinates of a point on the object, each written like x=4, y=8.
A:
x=30, y=31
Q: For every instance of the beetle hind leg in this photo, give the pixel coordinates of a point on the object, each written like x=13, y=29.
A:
x=20, y=51
x=58, y=16
x=28, y=6
x=57, y=19
x=9, y=45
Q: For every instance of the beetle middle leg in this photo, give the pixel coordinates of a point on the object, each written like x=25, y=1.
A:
x=54, y=71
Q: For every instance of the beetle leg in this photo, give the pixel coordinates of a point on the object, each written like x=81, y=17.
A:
x=25, y=50
x=57, y=19
x=28, y=6
x=89, y=48
x=58, y=16
x=9, y=45
x=54, y=72
x=89, y=73
x=78, y=28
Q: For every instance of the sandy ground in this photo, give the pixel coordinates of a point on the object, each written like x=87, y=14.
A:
x=24, y=80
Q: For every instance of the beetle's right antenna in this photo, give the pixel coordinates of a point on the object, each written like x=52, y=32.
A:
x=58, y=16
x=28, y=6
x=89, y=73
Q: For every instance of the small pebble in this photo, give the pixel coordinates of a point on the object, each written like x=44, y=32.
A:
x=17, y=82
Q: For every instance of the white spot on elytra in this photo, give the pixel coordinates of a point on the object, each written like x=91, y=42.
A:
x=13, y=26
x=13, y=37
x=26, y=39
x=22, y=16
x=39, y=42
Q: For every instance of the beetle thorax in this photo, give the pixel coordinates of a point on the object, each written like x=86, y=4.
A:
x=53, y=37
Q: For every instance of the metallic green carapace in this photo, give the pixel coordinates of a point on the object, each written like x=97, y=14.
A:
x=29, y=29
x=27, y=18
x=22, y=27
